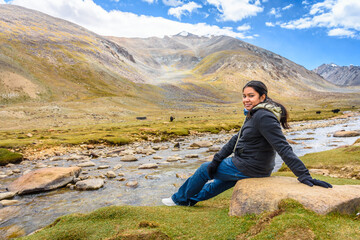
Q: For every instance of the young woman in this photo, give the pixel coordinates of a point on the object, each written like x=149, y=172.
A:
x=254, y=152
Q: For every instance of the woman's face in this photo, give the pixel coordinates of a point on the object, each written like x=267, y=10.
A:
x=251, y=98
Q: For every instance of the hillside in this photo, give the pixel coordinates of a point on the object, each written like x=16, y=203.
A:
x=340, y=75
x=56, y=73
x=43, y=57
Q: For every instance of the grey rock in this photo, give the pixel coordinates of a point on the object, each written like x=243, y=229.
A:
x=89, y=184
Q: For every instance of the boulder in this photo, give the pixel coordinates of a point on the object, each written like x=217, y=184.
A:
x=89, y=184
x=202, y=144
x=346, y=134
x=255, y=195
x=44, y=179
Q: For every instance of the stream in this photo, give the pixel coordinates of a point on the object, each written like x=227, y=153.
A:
x=39, y=210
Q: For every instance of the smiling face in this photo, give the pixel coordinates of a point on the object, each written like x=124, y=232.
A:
x=251, y=98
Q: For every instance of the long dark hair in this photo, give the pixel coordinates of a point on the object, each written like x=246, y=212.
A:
x=261, y=88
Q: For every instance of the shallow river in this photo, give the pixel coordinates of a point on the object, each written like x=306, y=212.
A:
x=39, y=210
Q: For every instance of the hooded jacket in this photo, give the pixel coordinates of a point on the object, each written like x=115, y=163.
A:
x=260, y=136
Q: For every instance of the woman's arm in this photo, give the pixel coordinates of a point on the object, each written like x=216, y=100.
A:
x=224, y=152
x=270, y=128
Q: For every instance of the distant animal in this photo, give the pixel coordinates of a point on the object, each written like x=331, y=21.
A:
x=335, y=110
x=318, y=112
x=172, y=118
x=141, y=118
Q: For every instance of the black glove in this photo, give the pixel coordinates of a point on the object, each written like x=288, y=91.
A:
x=212, y=167
x=308, y=180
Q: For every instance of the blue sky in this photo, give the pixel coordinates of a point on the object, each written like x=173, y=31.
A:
x=307, y=32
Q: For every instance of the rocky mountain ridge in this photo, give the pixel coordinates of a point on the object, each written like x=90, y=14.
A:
x=340, y=75
x=43, y=58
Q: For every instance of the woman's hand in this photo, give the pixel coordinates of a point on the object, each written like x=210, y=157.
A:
x=212, y=167
x=308, y=180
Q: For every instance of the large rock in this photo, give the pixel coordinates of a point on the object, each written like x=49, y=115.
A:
x=255, y=195
x=346, y=134
x=44, y=179
x=89, y=184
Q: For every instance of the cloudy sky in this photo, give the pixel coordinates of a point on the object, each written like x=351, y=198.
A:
x=307, y=32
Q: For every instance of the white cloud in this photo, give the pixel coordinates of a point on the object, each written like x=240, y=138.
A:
x=236, y=10
x=243, y=27
x=341, y=14
x=275, y=12
x=122, y=24
x=184, y=9
x=172, y=3
x=2, y=1
x=148, y=1
x=288, y=7
x=340, y=32
x=270, y=24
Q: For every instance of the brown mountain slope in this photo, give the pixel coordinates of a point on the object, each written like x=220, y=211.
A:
x=42, y=57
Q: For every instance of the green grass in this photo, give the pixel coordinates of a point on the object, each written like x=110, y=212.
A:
x=344, y=161
x=207, y=220
x=7, y=156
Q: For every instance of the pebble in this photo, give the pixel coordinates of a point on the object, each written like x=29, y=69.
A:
x=132, y=184
x=9, y=202
x=148, y=166
x=6, y=195
x=103, y=167
x=111, y=174
x=117, y=166
x=87, y=164
x=128, y=158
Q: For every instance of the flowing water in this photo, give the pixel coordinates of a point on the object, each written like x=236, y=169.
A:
x=39, y=210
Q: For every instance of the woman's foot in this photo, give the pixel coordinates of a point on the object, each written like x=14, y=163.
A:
x=168, y=202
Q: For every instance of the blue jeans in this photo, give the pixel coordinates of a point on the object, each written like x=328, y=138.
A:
x=197, y=188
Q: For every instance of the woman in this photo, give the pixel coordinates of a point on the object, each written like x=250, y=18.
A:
x=254, y=152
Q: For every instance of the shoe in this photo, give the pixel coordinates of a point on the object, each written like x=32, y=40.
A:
x=168, y=202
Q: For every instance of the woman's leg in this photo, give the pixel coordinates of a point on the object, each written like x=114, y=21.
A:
x=194, y=188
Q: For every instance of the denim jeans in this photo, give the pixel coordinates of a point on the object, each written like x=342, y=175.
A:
x=198, y=187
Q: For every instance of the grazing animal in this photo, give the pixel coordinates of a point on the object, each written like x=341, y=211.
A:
x=335, y=110
x=141, y=118
x=318, y=112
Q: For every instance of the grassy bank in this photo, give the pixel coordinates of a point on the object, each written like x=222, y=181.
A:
x=210, y=219
x=130, y=130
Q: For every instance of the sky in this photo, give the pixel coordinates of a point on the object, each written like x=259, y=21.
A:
x=307, y=32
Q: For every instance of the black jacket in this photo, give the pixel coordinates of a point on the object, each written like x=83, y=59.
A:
x=260, y=136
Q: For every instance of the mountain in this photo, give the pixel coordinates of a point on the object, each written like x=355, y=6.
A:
x=340, y=75
x=42, y=57
x=46, y=59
